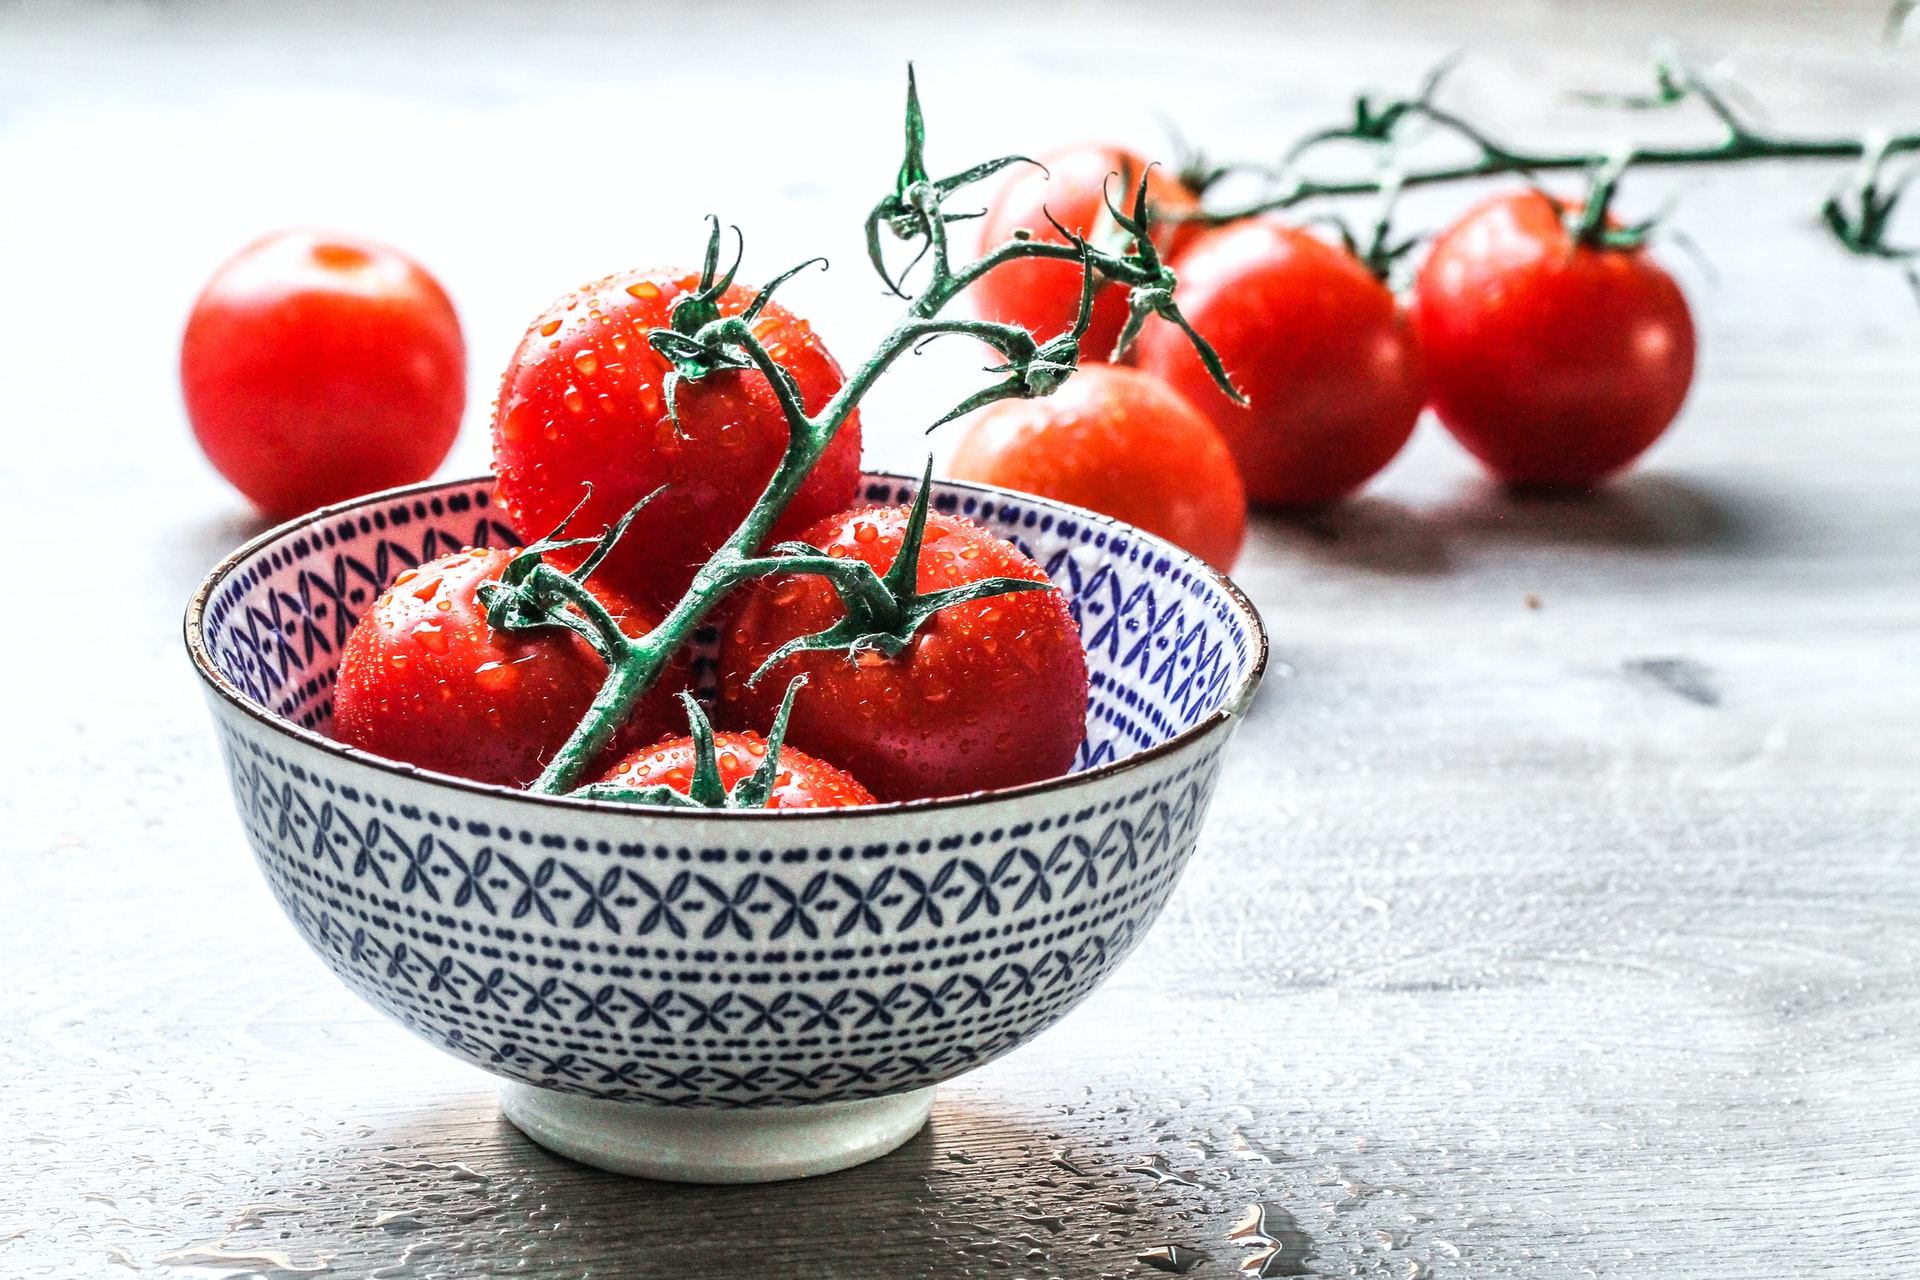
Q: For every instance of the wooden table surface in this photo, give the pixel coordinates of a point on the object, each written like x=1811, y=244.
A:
x=1560, y=913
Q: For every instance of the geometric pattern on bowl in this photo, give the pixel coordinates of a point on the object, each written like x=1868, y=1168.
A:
x=721, y=959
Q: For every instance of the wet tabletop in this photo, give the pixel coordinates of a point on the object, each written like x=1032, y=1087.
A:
x=1559, y=914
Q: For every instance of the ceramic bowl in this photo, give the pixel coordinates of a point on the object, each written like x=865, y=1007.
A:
x=732, y=996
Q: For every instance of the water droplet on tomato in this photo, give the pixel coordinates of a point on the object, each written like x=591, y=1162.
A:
x=431, y=637
x=644, y=289
x=575, y=401
x=425, y=592
x=443, y=605
x=550, y=328
x=406, y=577
x=398, y=661
x=864, y=532
x=552, y=431
x=620, y=343
x=586, y=362
x=495, y=676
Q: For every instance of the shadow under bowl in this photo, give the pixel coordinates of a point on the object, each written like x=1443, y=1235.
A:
x=720, y=996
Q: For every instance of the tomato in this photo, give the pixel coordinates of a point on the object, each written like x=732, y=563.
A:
x=804, y=782
x=991, y=693
x=1328, y=361
x=582, y=406
x=1043, y=296
x=424, y=680
x=317, y=368
x=1123, y=443
x=1555, y=364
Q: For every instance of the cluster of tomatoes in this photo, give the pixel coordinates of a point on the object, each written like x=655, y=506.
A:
x=1554, y=362
x=987, y=693
x=317, y=368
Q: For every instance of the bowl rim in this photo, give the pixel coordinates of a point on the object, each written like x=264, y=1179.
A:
x=193, y=633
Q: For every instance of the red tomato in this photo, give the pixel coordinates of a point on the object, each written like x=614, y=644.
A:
x=804, y=782
x=1043, y=296
x=1120, y=442
x=582, y=405
x=317, y=368
x=1555, y=364
x=424, y=680
x=992, y=693
x=1327, y=360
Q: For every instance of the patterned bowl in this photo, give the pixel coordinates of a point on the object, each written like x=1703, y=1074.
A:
x=731, y=996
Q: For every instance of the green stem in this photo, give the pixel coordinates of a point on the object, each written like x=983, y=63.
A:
x=1740, y=146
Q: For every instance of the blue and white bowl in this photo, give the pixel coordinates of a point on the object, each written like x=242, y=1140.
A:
x=727, y=996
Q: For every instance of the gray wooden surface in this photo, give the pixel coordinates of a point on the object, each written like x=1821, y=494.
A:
x=1561, y=914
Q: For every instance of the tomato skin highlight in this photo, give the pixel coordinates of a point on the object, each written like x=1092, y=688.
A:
x=1121, y=442
x=583, y=404
x=804, y=781
x=1329, y=363
x=1553, y=363
x=991, y=693
x=316, y=368
x=424, y=680
x=1043, y=296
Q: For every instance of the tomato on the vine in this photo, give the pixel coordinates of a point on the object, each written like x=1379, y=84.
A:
x=1121, y=442
x=423, y=679
x=583, y=407
x=316, y=368
x=990, y=693
x=1043, y=295
x=1327, y=360
x=1555, y=363
x=803, y=782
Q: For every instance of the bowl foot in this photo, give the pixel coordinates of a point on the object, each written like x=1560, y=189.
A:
x=677, y=1144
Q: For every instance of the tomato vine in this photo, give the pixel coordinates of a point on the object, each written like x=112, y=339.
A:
x=698, y=341
x=1859, y=213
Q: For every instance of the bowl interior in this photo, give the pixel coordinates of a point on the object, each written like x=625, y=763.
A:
x=1169, y=643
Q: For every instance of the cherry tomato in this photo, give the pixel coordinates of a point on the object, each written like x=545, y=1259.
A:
x=1555, y=364
x=1328, y=362
x=1120, y=442
x=316, y=368
x=424, y=680
x=992, y=693
x=583, y=406
x=1043, y=296
x=804, y=782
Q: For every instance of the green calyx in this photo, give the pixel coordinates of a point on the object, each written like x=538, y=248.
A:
x=1152, y=293
x=533, y=595
x=687, y=341
x=883, y=612
x=1861, y=212
x=705, y=791
x=913, y=207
